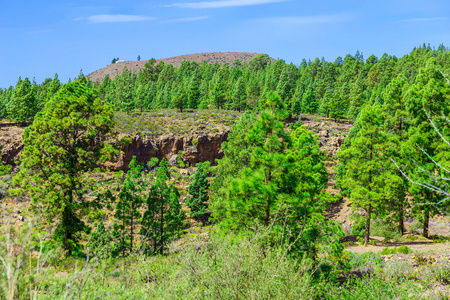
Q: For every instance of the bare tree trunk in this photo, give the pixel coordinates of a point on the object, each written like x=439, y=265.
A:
x=426, y=221
x=131, y=231
x=161, y=231
x=401, y=224
x=367, y=231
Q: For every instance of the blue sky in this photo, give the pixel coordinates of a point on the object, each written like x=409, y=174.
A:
x=41, y=38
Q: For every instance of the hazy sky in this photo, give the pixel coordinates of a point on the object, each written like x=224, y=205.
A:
x=41, y=38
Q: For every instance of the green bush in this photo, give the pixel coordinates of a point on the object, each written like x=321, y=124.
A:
x=349, y=244
x=359, y=226
x=366, y=262
x=295, y=125
x=402, y=249
x=415, y=226
x=222, y=267
x=385, y=229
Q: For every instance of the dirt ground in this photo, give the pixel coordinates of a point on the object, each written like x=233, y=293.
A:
x=420, y=245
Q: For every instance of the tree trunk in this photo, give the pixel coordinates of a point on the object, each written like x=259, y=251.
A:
x=67, y=218
x=401, y=225
x=369, y=210
x=426, y=221
x=267, y=180
x=266, y=219
x=161, y=232
x=367, y=231
x=131, y=229
x=123, y=232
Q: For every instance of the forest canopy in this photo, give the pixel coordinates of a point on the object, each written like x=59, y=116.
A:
x=336, y=89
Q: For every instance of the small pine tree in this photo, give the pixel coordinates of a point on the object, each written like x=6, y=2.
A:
x=100, y=242
x=130, y=200
x=179, y=99
x=337, y=106
x=309, y=101
x=198, y=190
x=193, y=93
x=164, y=218
x=21, y=108
x=238, y=95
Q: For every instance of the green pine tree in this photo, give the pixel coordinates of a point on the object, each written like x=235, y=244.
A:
x=338, y=106
x=238, y=95
x=199, y=191
x=368, y=171
x=101, y=242
x=280, y=184
x=236, y=156
x=193, y=93
x=21, y=108
x=180, y=98
x=428, y=100
x=309, y=101
x=130, y=200
x=64, y=141
x=397, y=121
x=163, y=220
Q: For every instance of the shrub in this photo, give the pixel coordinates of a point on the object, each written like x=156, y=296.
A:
x=385, y=229
x=358, y=227
x=414, y=227
x=295, y=125
x=402, y=249
x=23, y=258
x=349, y=244
x=180, y=160
x=366, y=262
x=420, y=260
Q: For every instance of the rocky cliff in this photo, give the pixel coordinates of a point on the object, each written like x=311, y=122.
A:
x=197, y=144
x=10, y=142
x=191, y=149
x=195, y=148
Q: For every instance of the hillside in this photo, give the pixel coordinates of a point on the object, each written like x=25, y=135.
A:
x=135, y=66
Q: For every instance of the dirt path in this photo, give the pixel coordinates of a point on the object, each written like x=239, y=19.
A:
x=416, y=246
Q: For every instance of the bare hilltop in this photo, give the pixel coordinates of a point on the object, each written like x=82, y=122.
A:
x=220, y=57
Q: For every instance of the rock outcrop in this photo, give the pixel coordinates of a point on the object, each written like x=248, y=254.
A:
x=194, y=148
x=195, y=145
x=10, y=143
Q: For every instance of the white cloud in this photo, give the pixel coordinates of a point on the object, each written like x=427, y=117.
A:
x=424, y=19
x=306, y=20
x=187, y=19
x=224, y=3
x=114, y=18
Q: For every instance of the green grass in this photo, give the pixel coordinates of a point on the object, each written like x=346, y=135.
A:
x=217, y=266
x=401, y=249
x=170, y=121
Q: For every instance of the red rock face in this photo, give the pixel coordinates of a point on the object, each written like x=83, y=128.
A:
x=195, y=148
x=10, y=143
x=205, y=148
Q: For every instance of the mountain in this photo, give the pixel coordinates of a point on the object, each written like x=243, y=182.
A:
x=135, y=66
